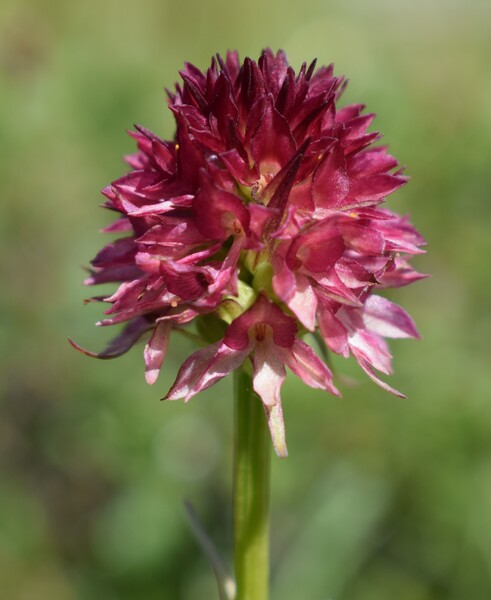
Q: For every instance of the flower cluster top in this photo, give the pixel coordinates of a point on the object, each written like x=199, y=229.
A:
x=259, y=222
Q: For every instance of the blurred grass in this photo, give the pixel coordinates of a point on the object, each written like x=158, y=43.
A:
x=380, y=498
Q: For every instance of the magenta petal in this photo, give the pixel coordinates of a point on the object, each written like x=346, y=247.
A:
x=224, y=104
x=218, y=212
x=274, y=69
x=186, y=281
x=251, y=89
x=158, y=149
x=237, y=167
x=357, y=127
x=318, y=247
x=284, y=280
x=304, y=303
x=372, y=348
x=331, y=183
x=353, y=274
x=116, y=253
x=362, y=238
x=278, y=190
x=371, y=161
x=119, y=273
x=296, y=291
x=226, y=278
x=122, y=224
x=332, y=287
x=171, y=233
x=155, y=350
x=260, y=217
x=402, y=274
x=349, y=112
x=301, y=197
x=374, y=188
x=333, y=332
x=162, y=207
x=272, y=142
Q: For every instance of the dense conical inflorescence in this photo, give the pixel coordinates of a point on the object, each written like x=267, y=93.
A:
x=259, y=222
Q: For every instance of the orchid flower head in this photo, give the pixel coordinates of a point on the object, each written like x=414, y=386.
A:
x=262, y=220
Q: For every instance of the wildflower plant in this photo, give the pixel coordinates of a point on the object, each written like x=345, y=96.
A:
x=259, y=222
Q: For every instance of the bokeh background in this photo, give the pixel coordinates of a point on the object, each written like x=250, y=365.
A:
x=380, y=498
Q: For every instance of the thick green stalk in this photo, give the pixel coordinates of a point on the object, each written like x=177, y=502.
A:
x=252, y=465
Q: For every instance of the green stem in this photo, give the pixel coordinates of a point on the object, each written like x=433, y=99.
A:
x=251, y=491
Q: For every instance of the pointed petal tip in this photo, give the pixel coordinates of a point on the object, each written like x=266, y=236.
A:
x=84, y=350
x=173, y=397
x=151, y=376
x=365, y=365
x=281, y=452
x=334, y=391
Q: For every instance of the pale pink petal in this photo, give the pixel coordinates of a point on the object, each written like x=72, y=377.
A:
x=331, y=287
x=276, y=423
x=388, y=319
x=269, y=373
x=204, y=368
x=296, y=291
x=372, y=348
x=303, y=361
x=366, y=367
x=402, y=274
x=284, y=281
x=304, y=303
x=155, y=350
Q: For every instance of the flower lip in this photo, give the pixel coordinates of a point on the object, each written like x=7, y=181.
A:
x=261, y=330
x=265, y=321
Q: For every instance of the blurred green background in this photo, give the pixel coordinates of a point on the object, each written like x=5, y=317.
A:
x=380, y=498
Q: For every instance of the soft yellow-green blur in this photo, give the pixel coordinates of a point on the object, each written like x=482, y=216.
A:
x=381, y=498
